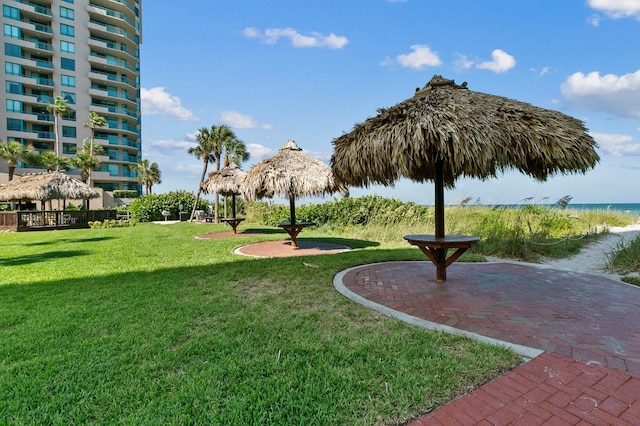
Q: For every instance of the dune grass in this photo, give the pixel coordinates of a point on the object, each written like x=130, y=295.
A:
x=148, y=325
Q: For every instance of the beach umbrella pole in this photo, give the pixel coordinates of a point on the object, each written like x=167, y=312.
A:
x=233, y=205
x=292, y=209
x=440, y=253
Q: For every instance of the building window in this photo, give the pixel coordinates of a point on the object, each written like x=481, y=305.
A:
x=14, y=106
x=67, y=46
x=66, y=13
x=68, y=80
x=13, y=69
x=69, y=148
x=13, y=87
x=67, y=30
x=12, y=50
x=69, y=97
x=68, y=132
x=15, y=124
x=11, y=31
x=67, y=64
x=68, y=1
x=10, y=12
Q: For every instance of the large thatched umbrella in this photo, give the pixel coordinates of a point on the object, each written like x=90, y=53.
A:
x=290, y=174
x=227, y=181
x=446, y=131
x=46, y=186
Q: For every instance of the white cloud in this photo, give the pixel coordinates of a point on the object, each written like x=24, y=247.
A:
x=616, y=144
x=500, y=62
x=259, y=152
x=315, y=39
x=157, y=101
x=236, y=120
x=420, y=57
x=617, y=9
x=171, y=144
x=617, y=95
x=463, y=62
x=594, y=20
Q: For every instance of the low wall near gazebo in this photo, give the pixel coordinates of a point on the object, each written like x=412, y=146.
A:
x=49, y=220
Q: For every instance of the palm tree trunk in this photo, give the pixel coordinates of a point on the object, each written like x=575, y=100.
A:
x=195, y=204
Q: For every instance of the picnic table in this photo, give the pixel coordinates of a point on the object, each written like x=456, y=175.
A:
x=234, y=222
x=294, y=229
x=437, y=248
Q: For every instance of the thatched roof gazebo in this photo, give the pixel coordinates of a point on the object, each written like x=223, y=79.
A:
x=446, y=131
x=291, y=174
x=227, y=181
x=46, y=186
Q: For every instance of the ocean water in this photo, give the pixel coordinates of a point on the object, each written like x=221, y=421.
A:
x=630, y=208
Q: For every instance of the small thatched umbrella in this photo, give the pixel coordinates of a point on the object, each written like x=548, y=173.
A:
x=446, y=131
x=227, y=181
x=290, y=174
x=46, y=186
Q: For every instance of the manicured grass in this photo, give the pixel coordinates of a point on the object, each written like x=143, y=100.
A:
x=148, y=325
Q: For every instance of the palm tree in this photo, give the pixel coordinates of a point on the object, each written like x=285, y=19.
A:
x=51, y=161
x=210, y=145
x=95, y=120
x=148, y=174
x=86, y=161
x=235, y=152
x=14, y=152
x=58, y=108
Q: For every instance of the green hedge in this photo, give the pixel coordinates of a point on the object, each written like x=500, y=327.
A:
x=342, y=212
x=149, y=208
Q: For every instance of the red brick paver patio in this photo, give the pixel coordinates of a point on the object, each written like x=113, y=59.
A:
x=586, y=324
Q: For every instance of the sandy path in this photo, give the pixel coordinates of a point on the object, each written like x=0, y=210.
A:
x=593, y=258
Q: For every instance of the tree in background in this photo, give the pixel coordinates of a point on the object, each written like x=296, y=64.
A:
x=51, y=161
x=148, y=174
x=235, y=152
x=85, y=160
x=58, y=108
x=95, y=120
x=211, y=143
x=14, y=152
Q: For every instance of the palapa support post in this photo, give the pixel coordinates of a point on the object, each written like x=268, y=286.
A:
x=440, y=254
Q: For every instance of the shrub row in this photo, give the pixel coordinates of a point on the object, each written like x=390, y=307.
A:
x=112, y=224
x=150, y=207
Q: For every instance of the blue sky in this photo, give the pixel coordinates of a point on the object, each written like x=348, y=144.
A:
x=309, y=70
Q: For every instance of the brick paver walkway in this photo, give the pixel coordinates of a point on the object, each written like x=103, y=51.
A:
x=587, y=324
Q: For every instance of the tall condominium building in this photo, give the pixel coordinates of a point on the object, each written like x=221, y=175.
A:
x=86, y=51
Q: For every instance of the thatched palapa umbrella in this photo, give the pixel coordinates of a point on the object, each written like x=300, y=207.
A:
x=227, y=181
x=446, y=131
x=291, y=174
x=46, y=186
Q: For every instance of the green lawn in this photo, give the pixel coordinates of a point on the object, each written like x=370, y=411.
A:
x=148, y=325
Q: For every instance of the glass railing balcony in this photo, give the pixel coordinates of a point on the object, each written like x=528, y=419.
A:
x=44, y=99
x=130, y=158
x=43, y=64
x=43, y=28
x=128, y=81
x=44, y=81
x=41, y=45
x=45, y=117
x=113, y=14
x=37, y=8
x=112, y=29
x=45, y=135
